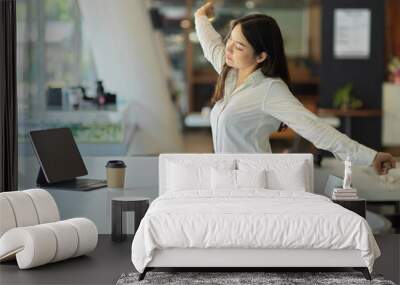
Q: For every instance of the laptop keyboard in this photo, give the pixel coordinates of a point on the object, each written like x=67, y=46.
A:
x=82, y=184
x=87, y=182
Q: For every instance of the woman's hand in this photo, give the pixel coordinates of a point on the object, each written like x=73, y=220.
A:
x=383, y=162
x=205, y=10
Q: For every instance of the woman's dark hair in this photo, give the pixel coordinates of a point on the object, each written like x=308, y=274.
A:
x=264, y=35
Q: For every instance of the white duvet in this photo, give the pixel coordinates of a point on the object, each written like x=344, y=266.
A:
x=251, y=218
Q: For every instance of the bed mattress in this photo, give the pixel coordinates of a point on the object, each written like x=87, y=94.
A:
x=250, y=219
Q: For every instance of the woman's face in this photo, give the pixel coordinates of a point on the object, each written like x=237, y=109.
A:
x=238, y=52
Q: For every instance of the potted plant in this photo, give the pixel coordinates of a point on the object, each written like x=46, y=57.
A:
x=344, y=99
x=394, y=70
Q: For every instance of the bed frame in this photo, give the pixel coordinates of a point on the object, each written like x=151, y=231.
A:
x=240, y=259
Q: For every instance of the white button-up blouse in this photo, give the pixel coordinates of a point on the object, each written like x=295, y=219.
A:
x=243, y=120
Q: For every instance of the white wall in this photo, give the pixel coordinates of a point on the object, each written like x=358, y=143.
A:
x=126, y=58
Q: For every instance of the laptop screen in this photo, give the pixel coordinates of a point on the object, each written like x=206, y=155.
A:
x=58, y=154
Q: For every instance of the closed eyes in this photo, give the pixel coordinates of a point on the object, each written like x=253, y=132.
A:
x=236, y=45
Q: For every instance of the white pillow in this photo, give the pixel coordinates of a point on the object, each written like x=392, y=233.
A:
x=281, y=174
x=251, y=178
x=223, y=179
x=184, y=175
x=187, y=177
x=295, y=180
x=229, y=179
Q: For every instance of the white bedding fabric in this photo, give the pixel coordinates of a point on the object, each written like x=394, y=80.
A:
x=251, y=218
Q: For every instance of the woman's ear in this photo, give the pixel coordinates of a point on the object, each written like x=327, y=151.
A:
x=261, y=57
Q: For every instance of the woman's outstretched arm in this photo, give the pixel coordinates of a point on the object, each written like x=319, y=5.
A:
x=210, y=40
x=280, y=103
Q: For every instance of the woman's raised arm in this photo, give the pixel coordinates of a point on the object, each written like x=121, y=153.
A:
x=280, y=103
x=210, y=40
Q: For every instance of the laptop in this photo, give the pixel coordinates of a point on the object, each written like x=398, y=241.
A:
x=332, y=183
x=60, y=161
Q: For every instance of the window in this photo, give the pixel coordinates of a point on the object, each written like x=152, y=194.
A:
x=52, y=51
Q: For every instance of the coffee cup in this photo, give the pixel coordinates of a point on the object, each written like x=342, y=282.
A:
x=115, y=173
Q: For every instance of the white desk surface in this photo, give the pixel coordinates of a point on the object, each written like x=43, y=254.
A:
x=366, y=181
x=96, y=204
x=141, y=180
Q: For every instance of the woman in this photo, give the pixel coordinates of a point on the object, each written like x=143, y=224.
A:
x=252, y=99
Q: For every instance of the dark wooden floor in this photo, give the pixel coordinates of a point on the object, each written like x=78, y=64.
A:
x=110, y=260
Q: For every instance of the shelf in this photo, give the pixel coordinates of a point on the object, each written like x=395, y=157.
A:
x=350, y=112
x=209, y=76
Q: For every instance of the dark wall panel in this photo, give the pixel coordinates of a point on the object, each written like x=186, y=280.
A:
x=366, y=75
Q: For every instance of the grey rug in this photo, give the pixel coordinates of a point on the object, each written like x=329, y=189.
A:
x=225, y=278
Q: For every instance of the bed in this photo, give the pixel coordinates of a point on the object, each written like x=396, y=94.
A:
x=245, y=211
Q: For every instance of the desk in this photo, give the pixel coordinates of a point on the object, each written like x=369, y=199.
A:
x=348, y=115
x=366, y=181
x=141, y=180
x=96, y=205
x=369, y=187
